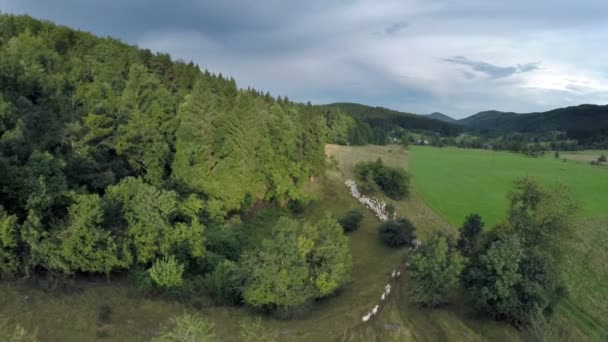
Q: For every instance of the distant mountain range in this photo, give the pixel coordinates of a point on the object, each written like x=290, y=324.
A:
x=584, y=119
x=581, y=121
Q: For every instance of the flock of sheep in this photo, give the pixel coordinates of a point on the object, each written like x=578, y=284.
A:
x=383, y=297
x=377, y=206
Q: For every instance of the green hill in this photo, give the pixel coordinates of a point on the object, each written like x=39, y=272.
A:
x=387, y=119
x=582, y=122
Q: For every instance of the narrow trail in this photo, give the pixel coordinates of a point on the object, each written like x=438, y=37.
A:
x=395, y=295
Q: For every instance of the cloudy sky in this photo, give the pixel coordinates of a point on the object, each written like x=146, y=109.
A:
x=454, y=56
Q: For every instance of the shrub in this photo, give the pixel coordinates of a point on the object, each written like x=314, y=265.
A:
x=226, y=282
x=188, y=328
x=435, y=271
x=351, y=220
x=397, y=233
x=394, y=182
x=167, y=273
x=602, y=159
x=254, y=330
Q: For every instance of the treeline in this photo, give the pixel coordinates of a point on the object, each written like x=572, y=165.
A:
x=511, y=272
x=114, y=157
x=379, y=126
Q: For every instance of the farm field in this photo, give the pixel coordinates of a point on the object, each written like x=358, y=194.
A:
x=72, y=314
x=456, y=182
x=582, y=156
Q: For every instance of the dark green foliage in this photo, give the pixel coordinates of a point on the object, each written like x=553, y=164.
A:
x=394, y=182
x=351, y=220
x=386, y=120
x=435, y=269
x=588, y=123
x=398, y=232
x=513, y=272
x=602, y=159
x=226, y=282
x=469, y=234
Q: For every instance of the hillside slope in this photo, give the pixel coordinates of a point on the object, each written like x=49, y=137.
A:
x=441, y=117
x=385, y=118
x=580, y=121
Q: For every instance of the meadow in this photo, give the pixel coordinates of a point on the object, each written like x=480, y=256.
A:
x=456, y=182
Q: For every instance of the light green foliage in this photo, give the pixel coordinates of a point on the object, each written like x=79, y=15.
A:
x=279, y=274
x=188, y=328
x=456, y=182
x=146, y=112
x=150, y=214
x=85, y=245
x=329, y=258
x=254, y=331
x=297, y=264
x=15, y=333
x=435, y=271
x=542, y=217
x=9, y=259
x=167, y=272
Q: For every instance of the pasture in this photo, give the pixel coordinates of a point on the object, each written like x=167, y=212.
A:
x=456, y=182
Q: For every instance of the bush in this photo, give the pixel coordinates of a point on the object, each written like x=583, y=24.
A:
x=397, y=233
x=352, y=220
x=167, y=273
x=394, y=182
x=254, y=330
x=226, y=282
x=435, y=271
x=188, y=328
x=602, y=159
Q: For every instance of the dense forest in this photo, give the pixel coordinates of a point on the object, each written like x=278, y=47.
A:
x=116, y=158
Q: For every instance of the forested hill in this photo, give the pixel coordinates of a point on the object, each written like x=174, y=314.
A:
x=441, y=117
x=579, y=121
x=388, y=119
x=103, y=144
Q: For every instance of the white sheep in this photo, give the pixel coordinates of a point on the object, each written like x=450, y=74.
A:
x=366, y=318
x=375, y=310
x=388, y=286
x=398, y=274
x=383, y=297
x=388, y=291
x=393, y=274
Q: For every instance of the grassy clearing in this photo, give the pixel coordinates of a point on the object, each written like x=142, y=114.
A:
x=73, y=316
x=586, y=272
x=456, y=181
x=582, y=156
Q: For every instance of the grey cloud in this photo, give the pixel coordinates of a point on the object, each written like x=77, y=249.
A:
x=528, y=67
x=323, y=51
x=494, y=71
x=395, y=28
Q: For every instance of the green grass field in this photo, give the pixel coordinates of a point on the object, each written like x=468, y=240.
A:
x=456, y=181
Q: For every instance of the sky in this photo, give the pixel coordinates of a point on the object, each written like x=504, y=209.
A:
x=457, y=57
